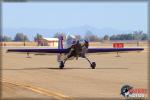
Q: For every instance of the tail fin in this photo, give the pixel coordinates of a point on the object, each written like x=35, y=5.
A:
x=60, y=46
x=60, y=42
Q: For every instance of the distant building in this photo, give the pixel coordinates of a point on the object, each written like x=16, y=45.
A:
x=52, y=42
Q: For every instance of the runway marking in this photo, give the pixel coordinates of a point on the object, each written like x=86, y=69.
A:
x=39, y=90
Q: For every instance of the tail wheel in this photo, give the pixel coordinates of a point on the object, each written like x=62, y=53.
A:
x=61, y=66
x=93, y=65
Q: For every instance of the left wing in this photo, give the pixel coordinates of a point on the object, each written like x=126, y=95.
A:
x=39, y=50
x=97, y=50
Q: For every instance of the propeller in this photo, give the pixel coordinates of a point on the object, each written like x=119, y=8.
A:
x=86, y=44
x=81, y=49
x=78, y=49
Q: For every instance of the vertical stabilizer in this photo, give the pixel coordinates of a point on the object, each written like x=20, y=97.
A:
x=60, y=42
x=60, y=46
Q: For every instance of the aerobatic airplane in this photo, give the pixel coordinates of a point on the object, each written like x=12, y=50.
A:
x=73, y=49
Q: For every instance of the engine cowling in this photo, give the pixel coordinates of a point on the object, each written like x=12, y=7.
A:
x=84, y=48
x=81, y=48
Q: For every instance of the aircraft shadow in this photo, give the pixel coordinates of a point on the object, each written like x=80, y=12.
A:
x=40, y=68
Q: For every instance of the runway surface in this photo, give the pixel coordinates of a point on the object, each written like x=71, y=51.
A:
x=40, y=76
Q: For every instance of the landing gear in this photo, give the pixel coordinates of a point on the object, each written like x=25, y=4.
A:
x=61, y=65
x=28, y=55
x=93, y=64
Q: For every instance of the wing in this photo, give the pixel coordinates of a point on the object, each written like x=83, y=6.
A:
x=39, y=50
x=97, y=50
x=90, y=50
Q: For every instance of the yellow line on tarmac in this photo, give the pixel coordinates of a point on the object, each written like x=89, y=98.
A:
x=39, y=90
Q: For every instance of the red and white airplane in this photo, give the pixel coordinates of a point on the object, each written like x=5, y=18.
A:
x=73, y=49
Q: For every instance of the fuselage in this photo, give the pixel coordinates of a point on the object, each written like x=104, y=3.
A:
x=77, y=48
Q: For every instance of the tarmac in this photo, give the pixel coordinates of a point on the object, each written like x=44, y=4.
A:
x=39, y=76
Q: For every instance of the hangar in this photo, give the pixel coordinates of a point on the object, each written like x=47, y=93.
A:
x=52, y=42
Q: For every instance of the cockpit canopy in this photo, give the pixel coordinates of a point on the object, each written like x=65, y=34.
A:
x=71, y=40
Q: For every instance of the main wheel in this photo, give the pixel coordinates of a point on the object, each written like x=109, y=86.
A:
x=61, y=66
x=93, y=65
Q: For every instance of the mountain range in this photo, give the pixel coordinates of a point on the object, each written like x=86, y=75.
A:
x=49, y=32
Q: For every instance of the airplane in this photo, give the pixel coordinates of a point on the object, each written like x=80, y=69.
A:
x=73, y=49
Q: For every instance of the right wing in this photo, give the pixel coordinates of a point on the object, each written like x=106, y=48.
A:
x=98, y=50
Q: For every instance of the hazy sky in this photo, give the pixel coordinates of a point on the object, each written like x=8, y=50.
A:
x=121, y=16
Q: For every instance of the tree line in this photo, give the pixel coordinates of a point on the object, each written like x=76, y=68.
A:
x=18, y=37
x=136, y=35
